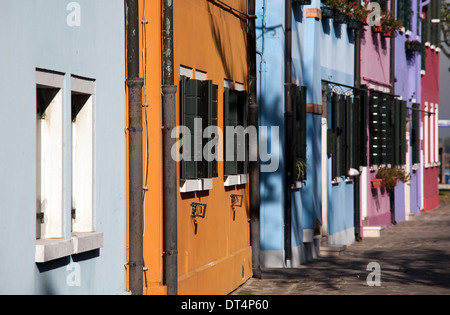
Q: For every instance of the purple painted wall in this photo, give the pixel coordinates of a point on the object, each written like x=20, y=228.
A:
x=407, y=85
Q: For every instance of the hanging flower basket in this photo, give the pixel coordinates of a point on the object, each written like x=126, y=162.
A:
x=376, y=183
x=302, y=2
x=355, y=24
x=340, y=18
x=379, y=29
x=327, y=13
x=389, y=33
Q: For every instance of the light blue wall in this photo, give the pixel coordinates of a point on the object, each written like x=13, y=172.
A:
x=306, y=201
x=34, y=34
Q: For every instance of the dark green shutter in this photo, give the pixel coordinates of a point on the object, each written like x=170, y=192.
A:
x=415, y=133
x=209, y=118
x=230, y=120
x=356, y=132
x=375, y=128
x=400, y=133
x=189, y=94
x=333, y=135
x=242, y=148
x=348, y=134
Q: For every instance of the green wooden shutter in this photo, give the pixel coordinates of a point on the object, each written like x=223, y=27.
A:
x=349, y=144
x=230, y=120
x=208, y=169
x=242, y=148
x=341, y=148
x=333, y=135
x=356, y=132
x=374, y=128
x=415, y=133
x=189, y=94
x=400, y=132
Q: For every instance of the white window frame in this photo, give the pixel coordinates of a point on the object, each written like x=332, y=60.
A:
x=51, y=242
x=83, y=157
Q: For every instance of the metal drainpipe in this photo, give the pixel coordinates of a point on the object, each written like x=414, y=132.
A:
x=392, y=81
x=169, y=90
x=253, y=165
x=135, y=84
x=356, y=191
x=288, y=116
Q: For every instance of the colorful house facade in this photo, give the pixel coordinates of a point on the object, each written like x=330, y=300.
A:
x=408, y=58
x=430, y=11
x=63, y=120
x=211, y=74
x=377, y=70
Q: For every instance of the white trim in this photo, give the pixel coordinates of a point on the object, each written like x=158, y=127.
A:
x=50, y=249
x=186, y=71
x=231, y=180
x=191, y=185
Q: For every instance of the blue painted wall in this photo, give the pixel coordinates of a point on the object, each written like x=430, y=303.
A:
x=34, y=34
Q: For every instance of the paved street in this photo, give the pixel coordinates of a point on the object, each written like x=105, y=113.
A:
x=414, y=258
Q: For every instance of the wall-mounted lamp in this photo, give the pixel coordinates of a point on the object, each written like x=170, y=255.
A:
x=198, y=210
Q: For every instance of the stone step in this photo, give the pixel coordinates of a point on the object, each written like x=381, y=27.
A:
x=331, y=250
x=372, y=231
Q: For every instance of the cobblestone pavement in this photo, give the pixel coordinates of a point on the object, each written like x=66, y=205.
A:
x=414, y=258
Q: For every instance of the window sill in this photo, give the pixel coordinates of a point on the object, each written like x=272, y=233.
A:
x=231, y=180
x=196, y=185
x=51, y=249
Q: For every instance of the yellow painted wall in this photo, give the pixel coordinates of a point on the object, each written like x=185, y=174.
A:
x=216, y=259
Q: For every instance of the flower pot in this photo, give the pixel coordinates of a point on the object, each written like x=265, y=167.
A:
x=340, y=18
x=327, y=13
x=355, y=24
x=376, y=183
x=389, y=33
x=379, y=29
x=302, y=2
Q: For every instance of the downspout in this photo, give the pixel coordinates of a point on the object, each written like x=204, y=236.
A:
x=135, y=185
x=357, y=83
x=253, y=110
x=288, y=116
x=169, y=90
x=392, y=82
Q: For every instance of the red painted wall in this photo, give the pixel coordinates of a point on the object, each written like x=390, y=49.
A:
x=430, y=95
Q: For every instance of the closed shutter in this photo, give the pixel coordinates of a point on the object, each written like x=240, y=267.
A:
x=400, y=132
x=208, y=169
x=415, y=133
x=190, y=96
x=235, y=115
x=375, y=129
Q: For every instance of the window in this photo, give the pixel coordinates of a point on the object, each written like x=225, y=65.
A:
x=404, y=13
x=198, y=100
x=344, y=139
x=49, y=155
x=387, y=128
x=415, y=133
x=299, y=107
x=51, y=126
x=235, y=119
x=431, y=138
x=82, y=155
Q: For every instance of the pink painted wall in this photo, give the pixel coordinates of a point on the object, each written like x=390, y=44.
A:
x=375, y=73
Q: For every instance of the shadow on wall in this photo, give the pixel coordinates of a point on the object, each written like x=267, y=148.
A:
x=223, y=38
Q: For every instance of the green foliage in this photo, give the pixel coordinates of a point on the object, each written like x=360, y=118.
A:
x=391, y=176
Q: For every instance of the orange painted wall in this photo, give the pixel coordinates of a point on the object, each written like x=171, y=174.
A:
x=216, y=259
